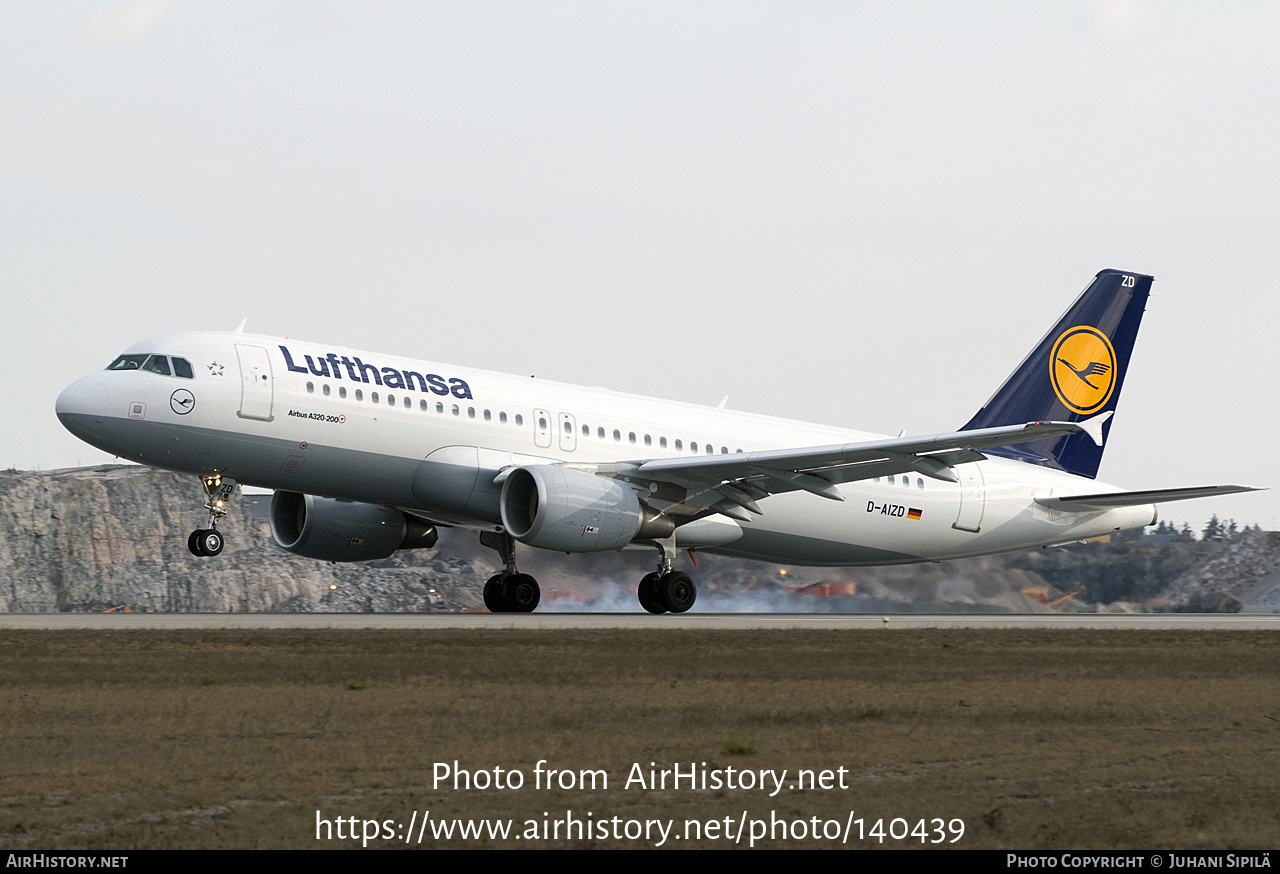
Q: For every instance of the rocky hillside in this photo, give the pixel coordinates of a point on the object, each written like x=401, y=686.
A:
x=1247, y=571
x=93, y=539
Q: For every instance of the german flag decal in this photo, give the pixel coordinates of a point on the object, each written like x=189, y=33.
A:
x=913, y=513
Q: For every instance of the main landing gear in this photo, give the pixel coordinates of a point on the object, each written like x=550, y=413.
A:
x=208, y=541
x=667, y=590
x=509, y=591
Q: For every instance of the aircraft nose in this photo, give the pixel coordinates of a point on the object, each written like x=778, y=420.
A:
x=80, y=403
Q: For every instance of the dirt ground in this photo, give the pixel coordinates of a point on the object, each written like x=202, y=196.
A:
x=973, y=739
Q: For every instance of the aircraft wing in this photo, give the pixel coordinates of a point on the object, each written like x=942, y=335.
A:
x=1108, y=500
x=732, y=484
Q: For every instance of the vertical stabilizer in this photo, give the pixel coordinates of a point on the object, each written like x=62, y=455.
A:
x=1075, y=373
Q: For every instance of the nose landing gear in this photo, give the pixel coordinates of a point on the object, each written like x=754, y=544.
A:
x=208, y=542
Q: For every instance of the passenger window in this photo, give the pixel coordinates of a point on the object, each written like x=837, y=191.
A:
x=662, y=441
x=373, y=396
x=182, y=368
x=709, y=449
x=157, y=364
x=617, y=435
x=724, y=450
x=631, y=438
x=440, y=408
x=679, y=445
x=519, y=421
x=586, y=430
x=693, y=447
x=542, y=423
x=311, y=388
x=568, y=428
x=391, y=400
x=488, y=417
x=648, y=441
x=342, y=391
x=456, y=410
x=422, y=405
x=600, y=433
x=502, y=418
x=324, y=388
x=359, y=394
x=408, y=404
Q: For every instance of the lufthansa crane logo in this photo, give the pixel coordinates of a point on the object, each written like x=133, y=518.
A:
x=182, y=402
x=1082, y=367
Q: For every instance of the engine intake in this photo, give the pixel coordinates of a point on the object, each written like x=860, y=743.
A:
x=332, y=530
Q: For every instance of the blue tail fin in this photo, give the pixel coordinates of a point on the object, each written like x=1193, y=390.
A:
x=1074, y=373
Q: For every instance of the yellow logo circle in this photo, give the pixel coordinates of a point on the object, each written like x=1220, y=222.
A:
x=1082, y=368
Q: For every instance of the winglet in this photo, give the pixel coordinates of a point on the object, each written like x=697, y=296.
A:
x=240, y=327
x=1093, y=426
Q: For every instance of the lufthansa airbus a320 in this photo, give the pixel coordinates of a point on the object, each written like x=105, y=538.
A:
x=368, y=453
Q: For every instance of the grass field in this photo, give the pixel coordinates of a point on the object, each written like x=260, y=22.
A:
x=1033, y=739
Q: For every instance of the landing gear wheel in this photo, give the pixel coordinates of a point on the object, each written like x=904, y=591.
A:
x=493, y=595
x=677, y=591
x=648, y=594
x=521, y=593
x=209, y=541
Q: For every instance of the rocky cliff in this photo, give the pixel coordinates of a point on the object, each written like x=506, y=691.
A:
x=1247, y=571
x=93, y=539
x=90, y=539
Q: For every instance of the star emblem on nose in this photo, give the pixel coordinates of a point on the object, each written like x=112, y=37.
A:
x=215, y=369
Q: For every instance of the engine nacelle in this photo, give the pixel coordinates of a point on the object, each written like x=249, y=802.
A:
x=332, y=530
x=571, y=511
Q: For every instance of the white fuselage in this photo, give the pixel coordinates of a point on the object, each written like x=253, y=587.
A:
x=429, y=438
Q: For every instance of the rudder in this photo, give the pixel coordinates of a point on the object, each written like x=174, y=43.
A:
x=1074, y=373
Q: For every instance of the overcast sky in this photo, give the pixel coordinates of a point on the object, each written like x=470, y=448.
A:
x=861, y=214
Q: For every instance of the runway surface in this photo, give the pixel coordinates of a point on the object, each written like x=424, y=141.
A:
x=725, y=621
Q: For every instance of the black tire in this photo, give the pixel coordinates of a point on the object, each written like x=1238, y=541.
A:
x=210, y=542
x=648, y=594
x=193, y=542
x=493, y=595
x=677, y=591
x=521, y=593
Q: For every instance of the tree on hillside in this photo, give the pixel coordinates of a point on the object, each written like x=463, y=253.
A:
x=1213, y=530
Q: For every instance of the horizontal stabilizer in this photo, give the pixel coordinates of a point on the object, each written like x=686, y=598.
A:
x=1108, y=500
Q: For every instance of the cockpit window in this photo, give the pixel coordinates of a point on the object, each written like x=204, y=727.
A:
x=157, y=364
x=127, y=362
x=154, y=364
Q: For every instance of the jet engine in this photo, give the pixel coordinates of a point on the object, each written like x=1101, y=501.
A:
x=570, y=511
x=333, y=530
